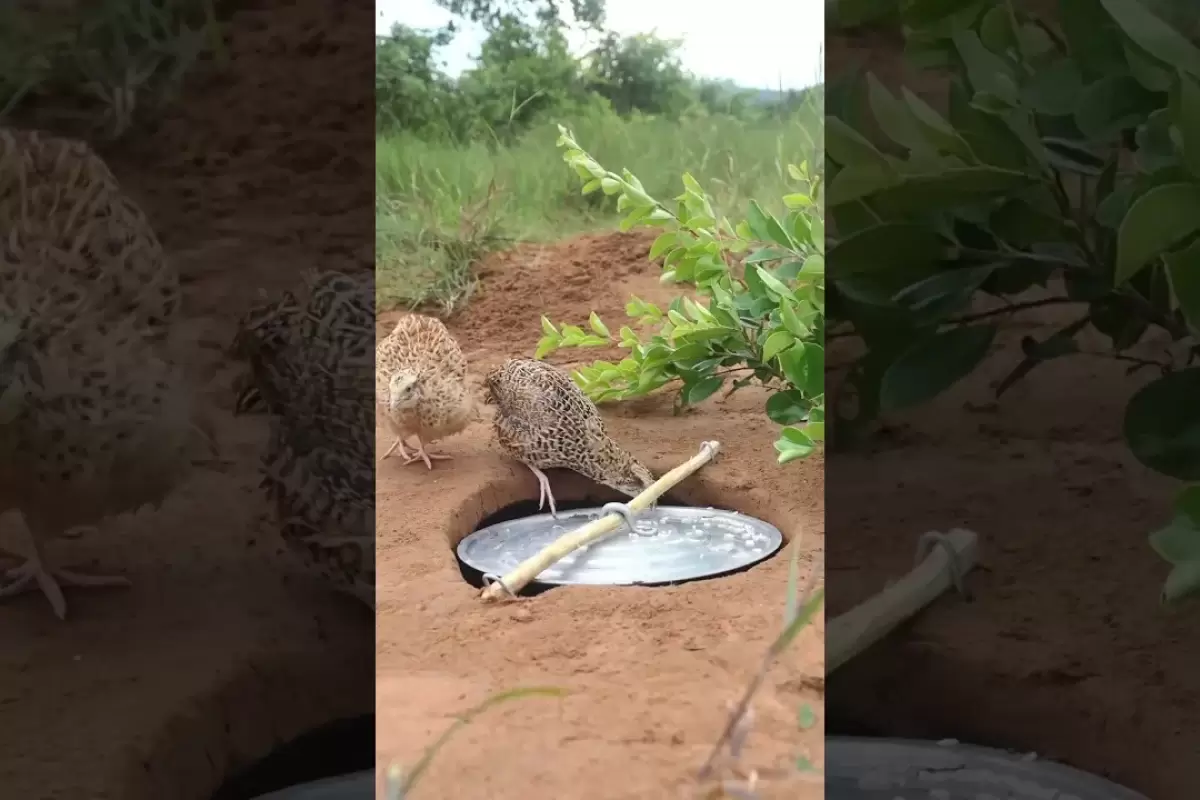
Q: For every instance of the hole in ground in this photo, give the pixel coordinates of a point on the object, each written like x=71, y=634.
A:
x=508, y=500
x=337, y=748
x=904, y=688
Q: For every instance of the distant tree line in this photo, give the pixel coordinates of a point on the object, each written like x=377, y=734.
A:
x=525, y=72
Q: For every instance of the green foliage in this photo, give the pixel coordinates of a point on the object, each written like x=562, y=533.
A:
x=492, y=13
x=435, y=217
x=525, y=74
x=107, y=62
x=761, y=321
x=1022, y=184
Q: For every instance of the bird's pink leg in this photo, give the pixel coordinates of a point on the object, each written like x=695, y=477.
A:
x=398, y=444
x=35, y=573
x=544, y=494
x=426, y=455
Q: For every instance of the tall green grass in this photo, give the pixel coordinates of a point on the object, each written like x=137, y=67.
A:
x=441, y=205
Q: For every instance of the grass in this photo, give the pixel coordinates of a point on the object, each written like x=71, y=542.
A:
x=440, y=206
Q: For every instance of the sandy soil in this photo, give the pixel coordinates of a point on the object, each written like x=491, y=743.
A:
x=1064, y=649
x=218, y=653
x=649, y=670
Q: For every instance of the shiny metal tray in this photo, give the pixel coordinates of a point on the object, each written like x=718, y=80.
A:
x=906, y=769
x=355, y=786
x=672, y=544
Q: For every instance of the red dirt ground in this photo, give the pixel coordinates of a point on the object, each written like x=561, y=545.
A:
x=649, y=670
x=216, y=655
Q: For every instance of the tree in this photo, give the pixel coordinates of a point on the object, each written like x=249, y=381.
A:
x=492, y=13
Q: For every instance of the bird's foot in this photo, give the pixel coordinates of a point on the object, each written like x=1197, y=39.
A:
x=397, y=445
x=428, y=456
x=34, y=574
x=544, y=493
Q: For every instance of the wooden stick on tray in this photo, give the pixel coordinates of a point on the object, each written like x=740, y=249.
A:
x=528, y=570
x=951, y=556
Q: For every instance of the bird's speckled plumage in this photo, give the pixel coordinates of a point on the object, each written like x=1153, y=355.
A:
x=420, y=385
x=68, y=225
x=95, y=417
x=545, y=421
x=311, y=361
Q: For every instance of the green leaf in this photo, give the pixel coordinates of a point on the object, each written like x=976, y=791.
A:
x=1183, y=580
x=857, y=181
x=766, y=228
x=1111, y=105
x=662, y=244
x=702, y=390
x=793, y=444
x=1156, y=221
x=986, y=71
x=937, y=128
x=1188, y=122
x=598, y=326
x=1093, y=39
x=933, y=364
x=548, y=327
x=802, y=619
x=1187, y=505
x=775, y=286
x=804, y=367
x=1146, y=69
x=545, y=346
x=890, y=246
x=776, y=343
x=992, y=141
x=946, y=188
x=787, y=408
x=1162, y=427
x=1153, y=35
x=895, y=120
x=945, y=292
x=787, y=313
x=807, y=718
x=1183, y=271
x=1178, y=542
x=848, y=147
x=1055, y=89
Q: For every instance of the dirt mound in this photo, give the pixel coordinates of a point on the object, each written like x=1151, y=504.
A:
x=649, y=670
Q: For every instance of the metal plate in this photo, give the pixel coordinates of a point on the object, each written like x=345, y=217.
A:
x=909, y=769
x=355, y=786
x=672, y=544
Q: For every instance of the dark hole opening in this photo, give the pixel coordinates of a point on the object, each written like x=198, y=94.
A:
x=337, y=748
x=527, y=508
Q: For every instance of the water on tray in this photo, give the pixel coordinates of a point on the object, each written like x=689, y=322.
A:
x=668, y=544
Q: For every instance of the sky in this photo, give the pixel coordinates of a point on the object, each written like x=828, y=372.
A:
x=759, y=44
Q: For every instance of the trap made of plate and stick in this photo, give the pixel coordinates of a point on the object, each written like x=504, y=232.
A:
x=653, y=546
x=887, y=769
x=868, y=768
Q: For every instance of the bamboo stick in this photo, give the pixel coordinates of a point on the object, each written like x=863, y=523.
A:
x=528, y=570
x=862, y=626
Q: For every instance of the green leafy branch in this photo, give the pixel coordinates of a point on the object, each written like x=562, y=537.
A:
x=756, y=312
x=1025, y=183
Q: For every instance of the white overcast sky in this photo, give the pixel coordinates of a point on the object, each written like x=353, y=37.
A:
x=760, y=44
